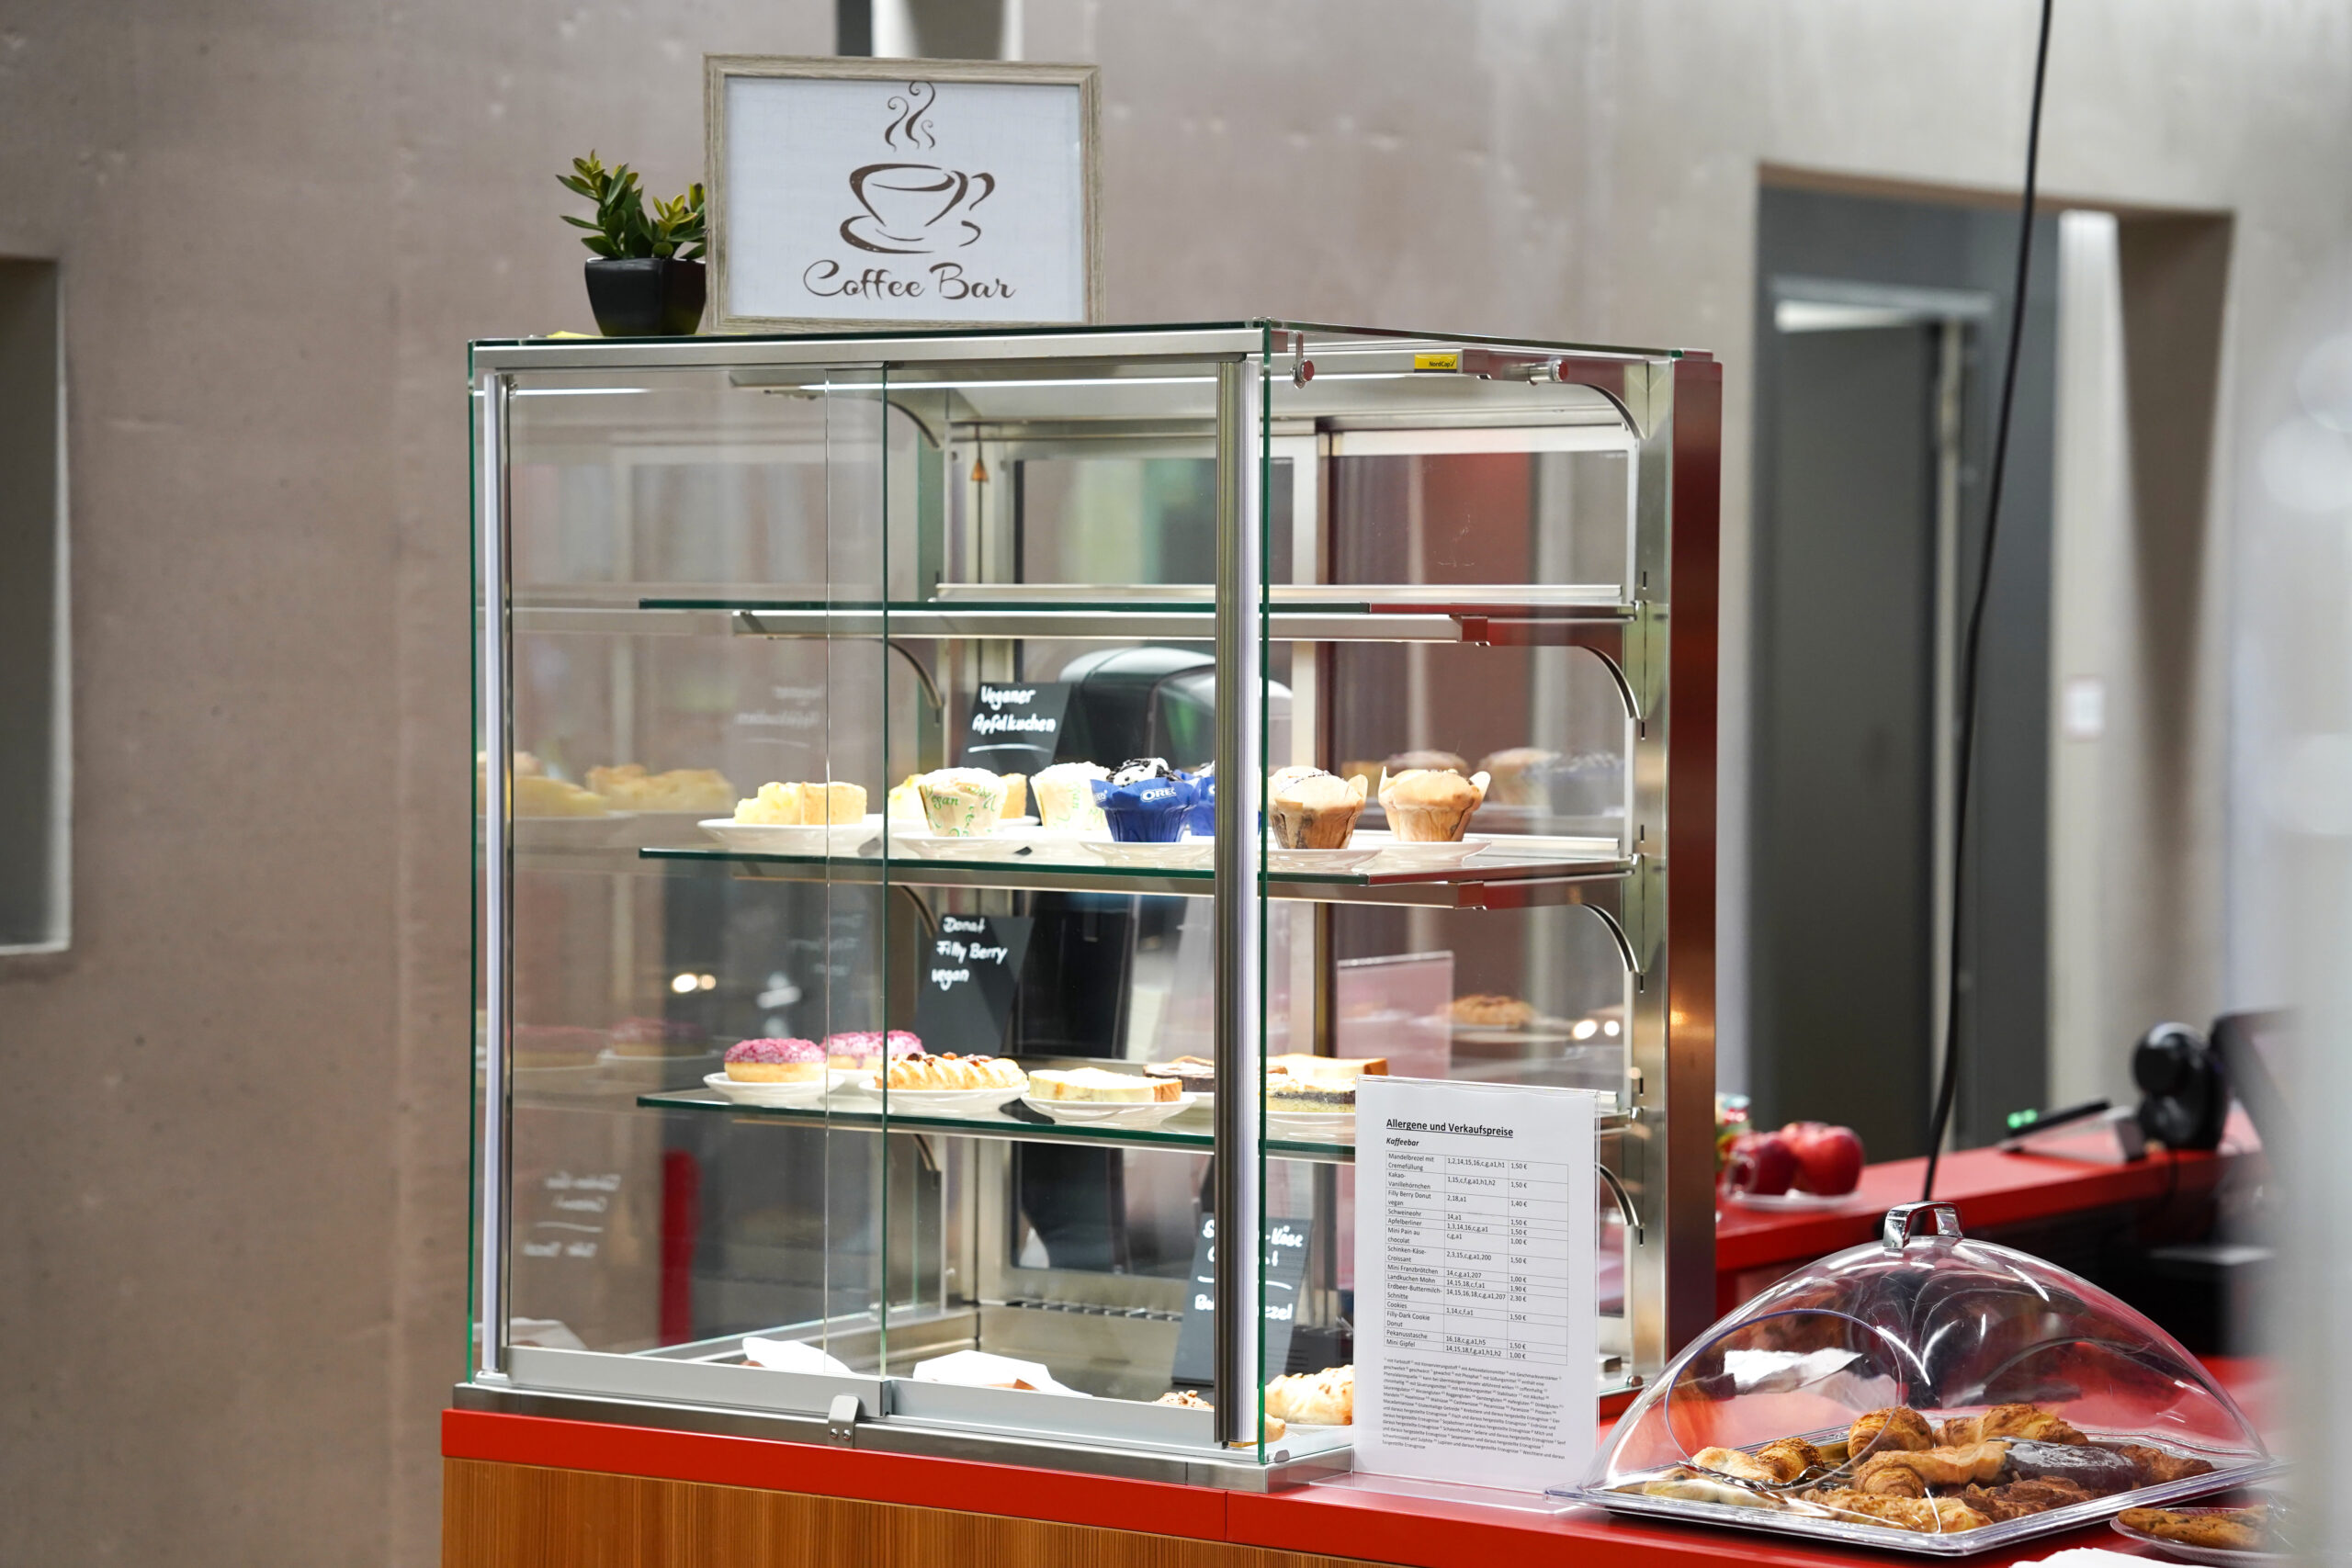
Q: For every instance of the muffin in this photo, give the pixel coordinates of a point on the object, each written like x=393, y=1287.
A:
x=1309, y=810
x=1016, y=796
x=1066, y=797
x=905, y=804
x=775, y=1061
x=1145, y=801
x=1430, y=805
x=1443, y=761
x=962, y=803
x=1521, y=775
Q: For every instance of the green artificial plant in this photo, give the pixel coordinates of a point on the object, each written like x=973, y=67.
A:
x=623, y=228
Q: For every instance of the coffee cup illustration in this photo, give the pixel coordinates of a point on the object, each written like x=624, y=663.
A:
x=907, y=207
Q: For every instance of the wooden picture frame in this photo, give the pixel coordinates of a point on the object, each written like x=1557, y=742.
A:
x=852, y=193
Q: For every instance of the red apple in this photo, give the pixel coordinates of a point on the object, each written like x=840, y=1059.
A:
x=1830, y=1158
x=1761, y=1163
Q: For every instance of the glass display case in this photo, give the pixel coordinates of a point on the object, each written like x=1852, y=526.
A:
x=1927, y=1393
x=961, y=812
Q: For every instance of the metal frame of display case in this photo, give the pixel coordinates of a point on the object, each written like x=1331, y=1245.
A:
x=1654, y=891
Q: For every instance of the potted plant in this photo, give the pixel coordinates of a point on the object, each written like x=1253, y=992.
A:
x=646, y=277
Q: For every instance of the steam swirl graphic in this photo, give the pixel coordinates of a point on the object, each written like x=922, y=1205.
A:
x=909, y=121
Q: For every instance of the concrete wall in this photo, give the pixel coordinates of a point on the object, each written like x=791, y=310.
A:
x=232, y=1120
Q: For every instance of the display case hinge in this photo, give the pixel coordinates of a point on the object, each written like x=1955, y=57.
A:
x=840, y=1421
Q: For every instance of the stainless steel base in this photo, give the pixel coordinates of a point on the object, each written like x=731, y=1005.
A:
x=888, y=1435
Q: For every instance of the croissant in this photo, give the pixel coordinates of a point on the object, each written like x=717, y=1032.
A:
x=2019, y=1498
x=1928, y=1515
x=1738, y=1463
x=2027, y=1422
x=2157, y=1466
x=1900, y=1427
x=1980, y=1462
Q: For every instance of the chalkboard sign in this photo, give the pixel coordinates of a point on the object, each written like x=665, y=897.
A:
x=1284, y=1277
x=1015, y=728
x=964, y=995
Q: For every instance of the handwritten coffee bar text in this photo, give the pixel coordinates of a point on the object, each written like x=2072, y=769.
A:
x=827, y=280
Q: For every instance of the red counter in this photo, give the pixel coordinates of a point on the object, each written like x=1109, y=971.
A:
x=526, y=1491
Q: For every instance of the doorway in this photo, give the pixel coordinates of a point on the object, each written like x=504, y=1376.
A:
x=1880, y=329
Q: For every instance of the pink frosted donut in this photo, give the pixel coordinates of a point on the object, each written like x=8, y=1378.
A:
x=853, y=1048
x=775, y=1061
x=902, y=1042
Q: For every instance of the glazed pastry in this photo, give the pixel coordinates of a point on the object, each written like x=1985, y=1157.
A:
x=1443, y=761
x=962, y=803
x=1094, y=1084
x=1519, y=773
x=1487, y=1011
x=1900, y=1427
x=952, y=1071
x=2019, y=1498
x=632, y=788
x=1906, y=1473
x=1930, y=1514
x=1326, y=1398
x=2157, y=1466
x=537, y=797
x=2227, y=1529
x=2029, y=1423
x=1313, y=811
x=1066, y=797
x=1431, y=806
x=775, y=1061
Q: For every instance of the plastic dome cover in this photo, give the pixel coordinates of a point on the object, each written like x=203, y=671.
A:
x=2020, y=1374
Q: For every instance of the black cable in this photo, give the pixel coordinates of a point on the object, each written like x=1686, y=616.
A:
x=1964, y=752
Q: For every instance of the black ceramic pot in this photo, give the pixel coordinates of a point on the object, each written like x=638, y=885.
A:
x=655, y=297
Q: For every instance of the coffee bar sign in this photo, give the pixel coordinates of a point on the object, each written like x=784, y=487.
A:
x=917, y=193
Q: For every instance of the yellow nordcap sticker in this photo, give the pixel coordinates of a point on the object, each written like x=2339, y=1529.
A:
x=1437, y=362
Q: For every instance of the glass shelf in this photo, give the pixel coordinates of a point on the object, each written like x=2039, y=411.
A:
x=1504, y=885
x=1189, y=1130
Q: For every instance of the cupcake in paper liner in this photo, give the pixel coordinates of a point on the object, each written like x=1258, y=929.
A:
x=1065, y=797
x=1199, y=817
x=1430, y=805
x=1145, y=801
x=1307, y=808
x=962, y=803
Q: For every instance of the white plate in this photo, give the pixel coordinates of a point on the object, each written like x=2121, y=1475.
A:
x=1081, y=1112
x=1788, y=1202
x=1312, y=861
x=2211, y=1556
x=812, y=1092
x=1397, y=854
x=815, y=839
x=1011, y=840
x=946, y=1101
x=1184, y=854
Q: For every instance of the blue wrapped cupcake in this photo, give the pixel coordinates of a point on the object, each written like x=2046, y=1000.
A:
x=1145, y=801
x=1199, y=817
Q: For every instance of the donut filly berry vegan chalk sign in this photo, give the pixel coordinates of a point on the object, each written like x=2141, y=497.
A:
x=850, y=193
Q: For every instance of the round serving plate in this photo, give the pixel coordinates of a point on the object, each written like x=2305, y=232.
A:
x=2211, y=1556
x=947, y=1101
x=1184, y=854
x=775, y=1095
x=798, y=839
x=1023, y=840
x=1398, y=854
x=1111, y=1114
x=1788, y=1202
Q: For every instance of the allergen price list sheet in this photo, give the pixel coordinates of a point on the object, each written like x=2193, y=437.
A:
x=1478, y=1345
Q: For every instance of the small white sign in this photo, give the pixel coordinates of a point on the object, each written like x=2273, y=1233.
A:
x=913, y=193
x=1477, y=1338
